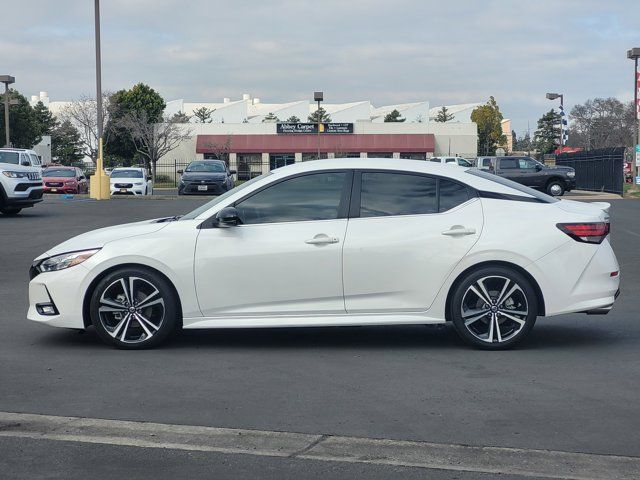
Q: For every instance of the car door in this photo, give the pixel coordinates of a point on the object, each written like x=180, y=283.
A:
x=406, y=233
x=286, y=256
x=508, y=168
x=529, y=173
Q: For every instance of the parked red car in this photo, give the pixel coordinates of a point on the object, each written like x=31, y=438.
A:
x=61, y=179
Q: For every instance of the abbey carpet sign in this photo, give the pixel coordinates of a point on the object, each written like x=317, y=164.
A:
x=302, y=128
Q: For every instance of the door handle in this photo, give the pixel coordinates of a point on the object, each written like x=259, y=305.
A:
x=322, y=239
x=459, y=230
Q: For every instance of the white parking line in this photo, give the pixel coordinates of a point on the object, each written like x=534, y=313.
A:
x=495, y=460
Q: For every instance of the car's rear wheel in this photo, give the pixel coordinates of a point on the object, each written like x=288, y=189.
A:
x=134, y=309
x=494, y=308
x=10, y=210
x=555, y=188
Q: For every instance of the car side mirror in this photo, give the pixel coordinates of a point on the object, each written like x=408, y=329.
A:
x=538, y=167
x=227, y=217
x=233, y=172
x=180, y=172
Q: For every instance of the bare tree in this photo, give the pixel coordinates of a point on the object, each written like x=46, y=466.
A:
x=83, y=114
x=221, y=150
x=154, y=140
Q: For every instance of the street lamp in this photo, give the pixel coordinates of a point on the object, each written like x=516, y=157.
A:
x=318, y=97
x=555, y=96
x=7, y=80
x=99, y=182
x=634, y=54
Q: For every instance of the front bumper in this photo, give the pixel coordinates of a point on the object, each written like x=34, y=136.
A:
x=62, y=189
x=198, y=188
x=25, y=199
x=135, y=190
x=64, y=290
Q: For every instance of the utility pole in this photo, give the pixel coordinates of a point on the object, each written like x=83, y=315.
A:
x=634, y=54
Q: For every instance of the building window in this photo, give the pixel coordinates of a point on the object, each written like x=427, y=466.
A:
x=347, y=155
x=307, y=157
x=277, y=160
x=249, y=165
x=414, y=156
x=380, y=155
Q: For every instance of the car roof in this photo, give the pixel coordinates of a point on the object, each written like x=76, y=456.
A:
x=128, y=168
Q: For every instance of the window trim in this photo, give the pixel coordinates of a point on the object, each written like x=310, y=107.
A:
x=356, y=196
x=343, y=206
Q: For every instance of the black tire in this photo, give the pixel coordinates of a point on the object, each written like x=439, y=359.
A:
x=158, y=321
x=555, y=188
x=10, y=210
x=487, y=331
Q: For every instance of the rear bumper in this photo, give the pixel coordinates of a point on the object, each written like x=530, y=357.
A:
x=212, y=189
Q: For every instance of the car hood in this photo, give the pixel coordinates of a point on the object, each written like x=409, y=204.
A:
x=19, y=168
x=194, y=176
x=99, y=238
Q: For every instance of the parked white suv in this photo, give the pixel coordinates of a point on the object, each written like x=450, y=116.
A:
x=20, y=181
x=130, y=181
x=452, y=161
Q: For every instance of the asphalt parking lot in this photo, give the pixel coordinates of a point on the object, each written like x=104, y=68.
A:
x=573, y=387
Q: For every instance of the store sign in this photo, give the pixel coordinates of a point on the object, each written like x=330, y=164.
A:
x=302, y=128
x=637, y=155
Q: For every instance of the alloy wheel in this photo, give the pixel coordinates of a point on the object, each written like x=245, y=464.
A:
x=131, y=309
x=494, y=309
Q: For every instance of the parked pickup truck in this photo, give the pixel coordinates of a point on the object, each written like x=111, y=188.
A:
x=527, y=171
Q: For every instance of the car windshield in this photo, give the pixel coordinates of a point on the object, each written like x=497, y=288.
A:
x=9, y=157
x=516, y=186
x=58, y=172
x=126, y=174
x=194, y=213
x=206, y=167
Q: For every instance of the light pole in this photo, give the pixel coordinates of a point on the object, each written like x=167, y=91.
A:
x=634, y=54
x=99, y=182
x=554, y=96
x=318, y=97
x=7, y=80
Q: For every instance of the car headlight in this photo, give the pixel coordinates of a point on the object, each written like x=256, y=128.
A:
x=71, y=182
x=571, y=174
x=65, y=260
x=16, y=174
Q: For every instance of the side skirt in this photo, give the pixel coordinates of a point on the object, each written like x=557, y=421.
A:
x=310, y=321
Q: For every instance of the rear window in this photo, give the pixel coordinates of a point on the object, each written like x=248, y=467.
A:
x=9, y=157
x=543, y=197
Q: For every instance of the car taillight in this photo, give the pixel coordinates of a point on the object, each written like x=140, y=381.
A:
x=586, y=232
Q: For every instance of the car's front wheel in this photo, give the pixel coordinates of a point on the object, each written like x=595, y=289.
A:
x=555, y=188
x=10, y=210
x=134, y=308
x=494, y=307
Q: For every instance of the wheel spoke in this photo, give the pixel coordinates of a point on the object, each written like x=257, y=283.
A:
x=471, y=320
x=114, y=334
x=495, y=317
x=515, y=319
x=125, y=290
x=472, y=312
x=508, y=295
x=144, y=303
x=516, y=312
x=504, y=288
x=125, y=328
x=142, y=319
x=111, y=310
x=132, y=293
x=112, y=303
x=491, y=322
x=481, y=296
x=484, y=290
x=144, y=327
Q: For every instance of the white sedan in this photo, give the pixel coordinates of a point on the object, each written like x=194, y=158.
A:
x=130, y=181
x=338, y=242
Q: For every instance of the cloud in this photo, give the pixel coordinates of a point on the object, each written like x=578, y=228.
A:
x=280, y=50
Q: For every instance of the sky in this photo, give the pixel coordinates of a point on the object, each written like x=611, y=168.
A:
x=393, y=51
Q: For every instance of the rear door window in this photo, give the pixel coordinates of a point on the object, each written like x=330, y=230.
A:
x=508, y=164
